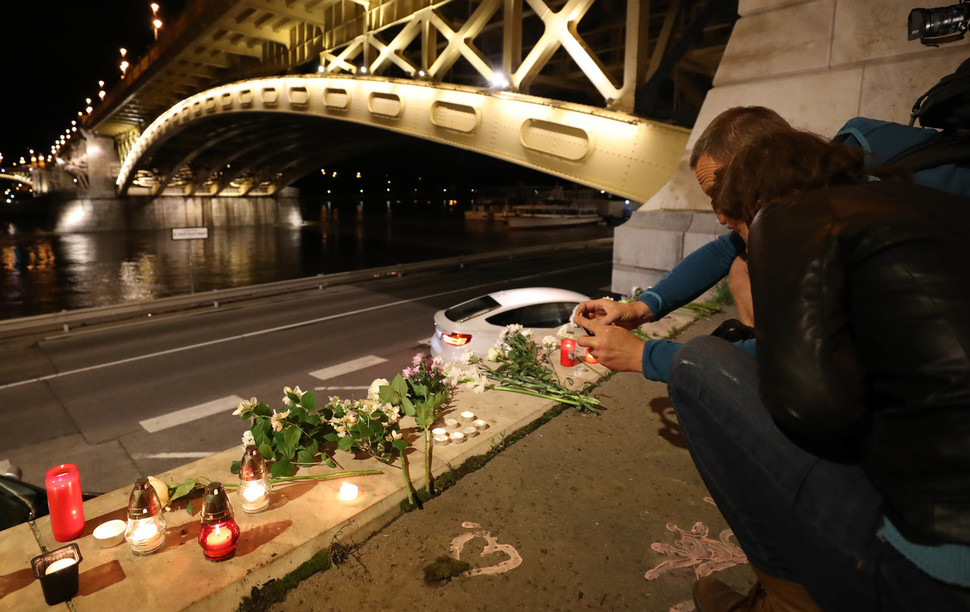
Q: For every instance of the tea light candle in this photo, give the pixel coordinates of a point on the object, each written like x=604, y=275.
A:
x=480, y=424
x=110, y=533
x=59, y=565
x=590, y=358
x=468, y=416
x=219, y=536
x=348, y=492
x=451, y=423
x=439, y=431
x=457, y=437
x=441, y=439
x=470, y=431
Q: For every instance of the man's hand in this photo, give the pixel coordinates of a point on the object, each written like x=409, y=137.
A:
x=607, y=312
x=614, y=347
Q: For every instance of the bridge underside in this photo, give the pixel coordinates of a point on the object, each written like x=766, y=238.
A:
x=255, y=137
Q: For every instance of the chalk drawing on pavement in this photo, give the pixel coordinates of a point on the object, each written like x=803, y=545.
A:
x=491, y=546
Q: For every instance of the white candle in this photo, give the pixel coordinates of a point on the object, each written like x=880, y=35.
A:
x=457, y=437
x=480, y=424
x=59, y=565
x=144, y=532
x=470, y=431
x=468, y=416
x=451, y=423
x=219, y=536
x=441, y=439
x=439, y=431
x=253, y=491
x=348, y=492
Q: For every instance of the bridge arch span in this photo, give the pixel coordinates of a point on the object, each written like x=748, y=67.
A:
x=255, y=137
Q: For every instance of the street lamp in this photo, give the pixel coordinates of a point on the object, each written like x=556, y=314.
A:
x=124, y=62
x=156, y=22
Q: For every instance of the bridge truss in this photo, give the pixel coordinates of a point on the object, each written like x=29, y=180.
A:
x=633, y=60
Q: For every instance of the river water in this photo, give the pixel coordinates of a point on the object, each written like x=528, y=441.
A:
x=41, y=272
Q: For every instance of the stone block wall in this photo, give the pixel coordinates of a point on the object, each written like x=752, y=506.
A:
x=818, y=63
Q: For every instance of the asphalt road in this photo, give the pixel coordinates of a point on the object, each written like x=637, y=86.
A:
x=144, y=396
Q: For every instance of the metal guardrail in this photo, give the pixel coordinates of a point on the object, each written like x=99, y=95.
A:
x=67, y=319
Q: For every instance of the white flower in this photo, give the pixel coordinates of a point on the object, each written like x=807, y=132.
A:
x=277, y=419
x=374, y=391
x=493, y=354
x=476, y=384
x=286, y=397
x=549, y=342
x=244, y=406
x=247, y=438
x=467, y=356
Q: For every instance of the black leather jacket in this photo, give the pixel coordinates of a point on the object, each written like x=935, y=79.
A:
x=862, y=303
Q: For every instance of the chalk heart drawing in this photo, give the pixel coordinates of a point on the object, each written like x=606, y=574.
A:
x=491, y=546
x=695, y=549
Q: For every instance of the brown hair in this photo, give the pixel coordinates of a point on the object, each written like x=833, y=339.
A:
x=734, y=128
x=778, y=166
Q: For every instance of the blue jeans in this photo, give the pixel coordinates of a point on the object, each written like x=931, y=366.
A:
x=798, y=517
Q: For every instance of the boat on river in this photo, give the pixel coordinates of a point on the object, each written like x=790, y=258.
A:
x=555, y=209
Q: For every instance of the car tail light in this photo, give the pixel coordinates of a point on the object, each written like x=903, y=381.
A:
x=456, y=339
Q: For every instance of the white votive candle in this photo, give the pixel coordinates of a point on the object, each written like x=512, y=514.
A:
x=457, y=437
x=468, y=416
x=480, y=424
x=451, y=423
x=441, y=439
x=439, y=431
x=470, y=431
x=348, y=492
x=59, y=565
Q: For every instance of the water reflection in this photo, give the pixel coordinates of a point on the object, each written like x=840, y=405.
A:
x=42, y=272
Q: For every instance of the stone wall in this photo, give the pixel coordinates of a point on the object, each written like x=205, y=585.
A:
x=818, y=63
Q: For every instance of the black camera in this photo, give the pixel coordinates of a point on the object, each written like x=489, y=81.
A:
x=939, y=25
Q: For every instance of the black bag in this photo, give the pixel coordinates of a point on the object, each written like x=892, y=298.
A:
x=946, y=105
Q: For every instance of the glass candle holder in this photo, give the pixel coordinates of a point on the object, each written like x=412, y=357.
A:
x=254, y=485
x=219, y=529
x=567, y=352
x=63, y=484
x=145, y=532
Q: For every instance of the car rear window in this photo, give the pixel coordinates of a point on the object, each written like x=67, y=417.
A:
x=471, y=308
x=536, y=315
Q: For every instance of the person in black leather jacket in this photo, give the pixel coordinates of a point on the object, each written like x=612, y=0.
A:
x=841, y=455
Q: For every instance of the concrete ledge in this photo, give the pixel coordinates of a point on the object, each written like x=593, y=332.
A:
x=304, y=518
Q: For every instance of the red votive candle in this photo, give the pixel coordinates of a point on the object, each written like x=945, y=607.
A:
x=567, y=352
x=63, y=485
x=219, y=529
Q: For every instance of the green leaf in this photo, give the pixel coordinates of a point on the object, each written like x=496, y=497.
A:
x=332, y=436
x=188, y=507
x=304, y=456
x=345, y=443
x=234, y=467
x=291, y=436
x=309, y=401
x=262, y=431
x=263, y=410
x=184, y=489
x=281, y=467
x=266, y=451
x=400, y=444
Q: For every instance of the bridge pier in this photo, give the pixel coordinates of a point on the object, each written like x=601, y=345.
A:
x=97, y=214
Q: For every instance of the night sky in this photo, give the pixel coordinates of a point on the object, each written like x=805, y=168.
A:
x=54, y=54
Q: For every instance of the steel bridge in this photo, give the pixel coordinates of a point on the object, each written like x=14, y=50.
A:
x=243, y=97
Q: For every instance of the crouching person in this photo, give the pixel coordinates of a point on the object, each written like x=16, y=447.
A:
x=840, y=454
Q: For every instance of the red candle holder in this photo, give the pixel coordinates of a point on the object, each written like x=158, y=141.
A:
x=567, y=352
x=219, y=530
x=63, y=485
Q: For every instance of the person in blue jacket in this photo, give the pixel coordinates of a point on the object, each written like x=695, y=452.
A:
x=699, y=271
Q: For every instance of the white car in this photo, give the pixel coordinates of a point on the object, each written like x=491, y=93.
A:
x=476, y=325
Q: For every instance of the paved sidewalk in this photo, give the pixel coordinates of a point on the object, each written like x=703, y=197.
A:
x=585, y=513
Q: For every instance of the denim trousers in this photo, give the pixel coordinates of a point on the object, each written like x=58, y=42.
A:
x=796, y=516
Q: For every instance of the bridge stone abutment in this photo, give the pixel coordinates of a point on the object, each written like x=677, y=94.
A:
x=818, y=63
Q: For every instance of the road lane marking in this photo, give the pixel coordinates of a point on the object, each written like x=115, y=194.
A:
x=347, y=367
x=264, y=331
x=352, y=388
x=187, y=455
x=185, y=415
